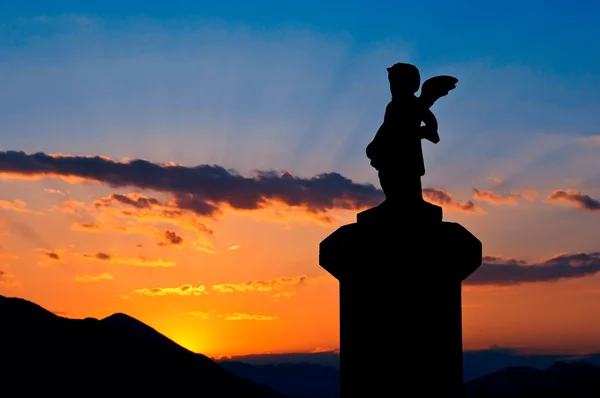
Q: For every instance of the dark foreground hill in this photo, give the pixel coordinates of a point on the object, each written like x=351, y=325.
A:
x=44, y=353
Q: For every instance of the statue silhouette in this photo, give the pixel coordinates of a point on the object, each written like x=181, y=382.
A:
x=400, y=267
x=396, y=149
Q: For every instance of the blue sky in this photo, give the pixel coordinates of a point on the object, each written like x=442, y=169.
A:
x=539, y=33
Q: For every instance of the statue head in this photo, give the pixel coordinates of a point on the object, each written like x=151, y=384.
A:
x=405, y=79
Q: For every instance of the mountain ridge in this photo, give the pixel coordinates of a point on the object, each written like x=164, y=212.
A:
x=118, y=353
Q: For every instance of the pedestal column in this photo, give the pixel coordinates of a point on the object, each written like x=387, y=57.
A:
x=400, y=303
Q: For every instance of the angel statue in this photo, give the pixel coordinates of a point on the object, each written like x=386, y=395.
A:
x=396, y=151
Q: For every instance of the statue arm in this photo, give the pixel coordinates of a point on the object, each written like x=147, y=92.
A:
x=430, y=130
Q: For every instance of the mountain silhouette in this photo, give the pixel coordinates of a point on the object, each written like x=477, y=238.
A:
x=46, y=353
x=291, y=379
x=561, y=380
x=573, y=379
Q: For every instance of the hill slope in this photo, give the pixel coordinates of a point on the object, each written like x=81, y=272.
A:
x=45, y=353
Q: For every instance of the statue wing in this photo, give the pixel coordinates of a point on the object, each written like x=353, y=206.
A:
x=436, y=87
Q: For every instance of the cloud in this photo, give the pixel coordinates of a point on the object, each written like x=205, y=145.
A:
x=171, y=239
x=94, y=278
x=234, y=247
x=183, y=290
x=205, y=191
x=15, y=205
x=54, y=191
x=575, y=198
x=505, y=272
x=236, y=316
x=507, y=199
x=51, y=256
x=201, y=189
x=593, y=139
x=135, y=261
x=87, y=227
x=7, y=279
x=133, y=213
x=148, y=210
x=442, y=198
x=267, y=285
x=279, y=287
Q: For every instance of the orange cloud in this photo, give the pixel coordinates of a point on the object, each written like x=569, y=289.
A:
x=280, y=212
x=236, y=316
x=94, y=278
x=445, y=200
x=281, y=287
x=183, y=290
x=508, y=199
x=16, y=205
x=574, y=198
x=87, y=227
x=322, y=350
x=54, y=191
x=151, y=210
x=138, y=214
x=135, y=261
x=593, y=139
x=247, y=317
x=268, y=285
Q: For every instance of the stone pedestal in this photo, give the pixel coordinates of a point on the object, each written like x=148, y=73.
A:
x=400, y=301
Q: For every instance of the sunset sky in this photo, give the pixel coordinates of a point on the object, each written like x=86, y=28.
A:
x=181, y=161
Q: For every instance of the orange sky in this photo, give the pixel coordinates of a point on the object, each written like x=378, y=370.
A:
x=254, y=284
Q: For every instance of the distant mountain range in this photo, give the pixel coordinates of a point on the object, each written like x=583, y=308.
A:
x=561, y=380
x=43, y=353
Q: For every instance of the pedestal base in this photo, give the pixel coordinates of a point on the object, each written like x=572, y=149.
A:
x=400, y=305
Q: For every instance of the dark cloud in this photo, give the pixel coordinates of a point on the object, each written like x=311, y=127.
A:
x=445, y=199
x=52, y=255
x=575, y=198
x=201, y=188
x=98, y=256
x=138, y=202
x=503, y=272
x=171, y=239
x=89, y=226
